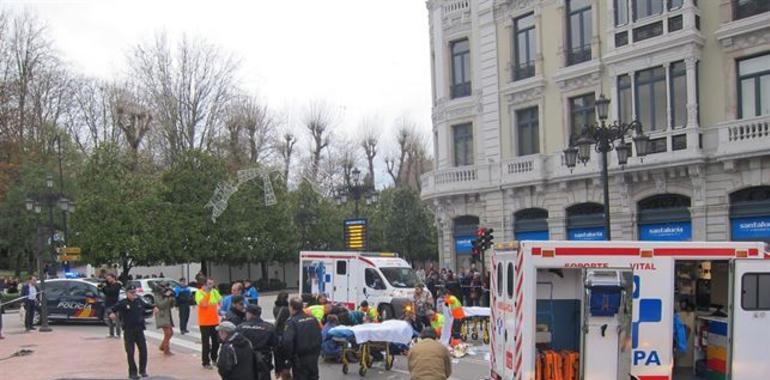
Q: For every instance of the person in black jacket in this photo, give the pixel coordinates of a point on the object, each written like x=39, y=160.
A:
x=237, y=312
x=111, y=290
x=281, y=314
x=302, y=342
x=131, y=311
x=263, y=340
x=236, y=356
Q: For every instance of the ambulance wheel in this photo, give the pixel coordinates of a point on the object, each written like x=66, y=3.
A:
x=386, y=312
x=362, y=371
x=345, y=368
x=389, y=362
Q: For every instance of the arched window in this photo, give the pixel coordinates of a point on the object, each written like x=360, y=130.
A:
x=665, y=217
x=530, y=224
x=585, y=221
x=750, y=214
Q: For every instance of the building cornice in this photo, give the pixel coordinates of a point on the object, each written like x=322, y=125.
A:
x=646, y=49
x=746, y=32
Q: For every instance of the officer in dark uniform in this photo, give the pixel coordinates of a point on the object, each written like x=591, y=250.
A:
x=131, y=311
x=263, y=339
x=302, y=342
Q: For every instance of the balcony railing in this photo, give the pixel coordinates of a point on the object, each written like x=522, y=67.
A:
x=456, y=175
x=579, y=54
x=523, y=70
x=461, y=89
x=454, y=7
x=748, y=8
x=744, y=136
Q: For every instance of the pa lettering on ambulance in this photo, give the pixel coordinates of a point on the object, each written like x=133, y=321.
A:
x=634, y=266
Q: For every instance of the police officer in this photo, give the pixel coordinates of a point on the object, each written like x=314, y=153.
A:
x=302, y=342
x=237, y=312
x=131, y=311
x=263, y=339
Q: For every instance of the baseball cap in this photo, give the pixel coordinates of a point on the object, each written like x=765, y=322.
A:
x=130, y=288
x=237, y=299
x=226, y=326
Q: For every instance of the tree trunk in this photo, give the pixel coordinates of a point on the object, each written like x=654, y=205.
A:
x=263, y=268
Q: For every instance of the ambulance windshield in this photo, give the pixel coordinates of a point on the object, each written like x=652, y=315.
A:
x=400, y=277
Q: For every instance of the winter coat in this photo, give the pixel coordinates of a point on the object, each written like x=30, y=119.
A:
x=429, y=360
x=163, y=316
x=236, y=359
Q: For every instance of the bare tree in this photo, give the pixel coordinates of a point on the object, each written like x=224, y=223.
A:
x=92, y=121
x=406, y=165
x=133, y=117
x=189, y=87
x=285, y=149
x=369, y=143
x=247, y=117
x=318, y=120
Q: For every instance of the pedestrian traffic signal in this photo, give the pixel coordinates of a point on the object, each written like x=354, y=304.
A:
x=488, y=238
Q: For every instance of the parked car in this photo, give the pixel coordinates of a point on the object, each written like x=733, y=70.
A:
x=146, y=287
x=74, y=300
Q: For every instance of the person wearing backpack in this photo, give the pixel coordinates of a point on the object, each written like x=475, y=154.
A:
x=184, y=299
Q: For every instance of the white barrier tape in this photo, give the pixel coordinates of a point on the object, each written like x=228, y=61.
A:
x=16, y=299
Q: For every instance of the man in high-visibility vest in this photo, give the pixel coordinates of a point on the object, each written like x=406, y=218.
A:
x=458, y=314
x=370, y=314
x=318, y=311
x=436, y=321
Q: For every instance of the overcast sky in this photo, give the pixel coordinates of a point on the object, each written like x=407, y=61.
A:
x=368, y=58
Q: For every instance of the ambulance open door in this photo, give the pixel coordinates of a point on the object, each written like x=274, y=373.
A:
x=750, y=323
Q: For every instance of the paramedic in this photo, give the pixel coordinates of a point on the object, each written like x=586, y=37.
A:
x=436, y=321
x=429, y=359
x=319, y=311
x=302, y=342
x=458, y=314
x=329, y=349
x=370, y=314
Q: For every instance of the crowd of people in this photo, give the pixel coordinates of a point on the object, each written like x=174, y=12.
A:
x=469, y=286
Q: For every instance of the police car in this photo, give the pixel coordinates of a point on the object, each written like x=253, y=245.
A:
x=75, y=300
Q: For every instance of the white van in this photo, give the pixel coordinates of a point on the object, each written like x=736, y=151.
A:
x=384, y=280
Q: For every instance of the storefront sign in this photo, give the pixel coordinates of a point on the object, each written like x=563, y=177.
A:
x=464, y=244
x=532, y=235
x=586, y=233
x=751, y=228
x=678, y=231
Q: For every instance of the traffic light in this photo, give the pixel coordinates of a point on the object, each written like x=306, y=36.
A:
x=488, y=238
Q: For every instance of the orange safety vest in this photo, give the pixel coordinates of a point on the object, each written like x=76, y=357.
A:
x=571, y=364
x=552, y=366
x=208, y=314
x=455, y=306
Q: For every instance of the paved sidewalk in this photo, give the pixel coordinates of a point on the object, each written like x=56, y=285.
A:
x=66, y=354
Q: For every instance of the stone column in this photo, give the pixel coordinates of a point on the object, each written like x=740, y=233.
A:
x=693, y=137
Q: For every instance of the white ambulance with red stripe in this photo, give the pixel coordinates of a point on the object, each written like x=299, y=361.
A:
x=631, y=310
x=383, y=279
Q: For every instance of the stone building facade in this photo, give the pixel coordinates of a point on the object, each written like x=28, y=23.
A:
x=513, y=78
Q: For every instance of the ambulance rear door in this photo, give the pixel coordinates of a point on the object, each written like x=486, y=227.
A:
x=340, y=291
x=750, y=319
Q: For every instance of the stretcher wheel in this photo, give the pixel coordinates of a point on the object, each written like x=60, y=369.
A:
x=362, y=371
x=345, y=368
x=389, y=362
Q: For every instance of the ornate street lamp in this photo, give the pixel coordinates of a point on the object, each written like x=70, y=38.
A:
x=605, y=137
x=357, y=191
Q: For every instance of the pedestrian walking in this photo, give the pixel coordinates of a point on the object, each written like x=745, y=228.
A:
x=281, y=314
x=301, y=342
x=208, y=299
x=236, y=359
x=184, y=299
x=263, y=340
x=429, y=359
x=130, y=312
x=30, y=293
x=237, y=312
x=111, y=289
x=164, y=302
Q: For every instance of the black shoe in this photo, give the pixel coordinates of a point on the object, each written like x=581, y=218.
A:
x=144, y=374
x=208, y=366
x=133, y=377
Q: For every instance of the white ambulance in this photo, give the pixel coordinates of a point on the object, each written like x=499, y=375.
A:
x=384, y=280
x=630, y=310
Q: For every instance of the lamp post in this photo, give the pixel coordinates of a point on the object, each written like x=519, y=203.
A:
x=605, y=137
x=356, y=190
x=50, y=199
